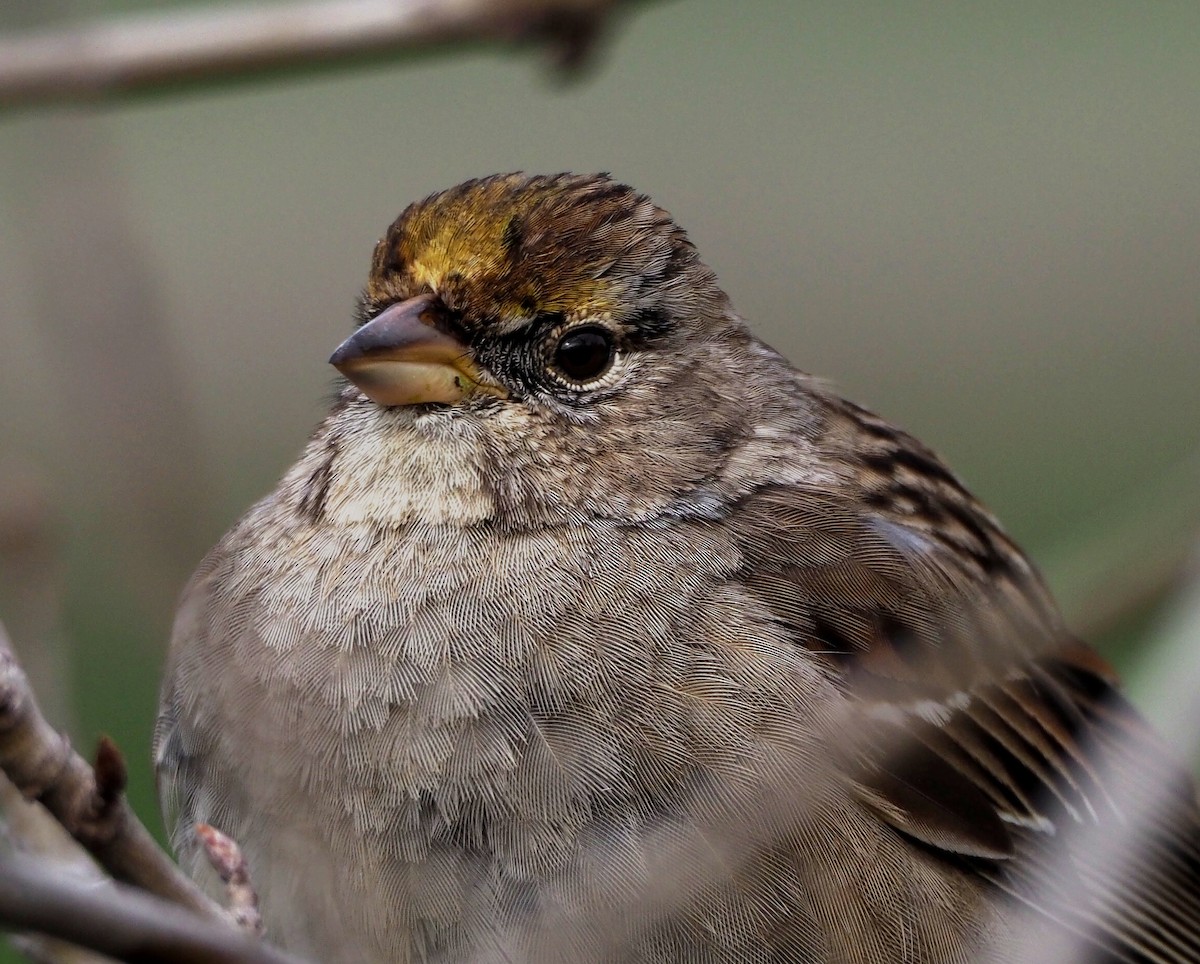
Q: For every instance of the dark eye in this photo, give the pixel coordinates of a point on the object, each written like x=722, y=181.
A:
x=583, y=354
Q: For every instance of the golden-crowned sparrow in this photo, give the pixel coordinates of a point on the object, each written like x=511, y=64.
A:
x=588, y=628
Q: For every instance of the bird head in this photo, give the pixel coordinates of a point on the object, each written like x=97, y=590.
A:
x=542, y=290
x=568, y=325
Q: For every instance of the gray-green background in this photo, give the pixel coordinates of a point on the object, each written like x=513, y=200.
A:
x=980, y=219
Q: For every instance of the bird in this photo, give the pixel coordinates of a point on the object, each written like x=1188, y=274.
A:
x=586, y=627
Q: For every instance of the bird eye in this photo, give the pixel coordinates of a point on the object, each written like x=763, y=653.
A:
x=585, y=353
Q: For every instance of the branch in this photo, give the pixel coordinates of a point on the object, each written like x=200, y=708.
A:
x=120, y=922
x=139, y=54
x=1123, y=596
x=89, y=802
x=1137, y=558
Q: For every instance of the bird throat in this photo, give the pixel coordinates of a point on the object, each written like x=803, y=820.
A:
x=410, y=469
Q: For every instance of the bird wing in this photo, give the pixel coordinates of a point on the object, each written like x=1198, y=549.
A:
x=986, y=731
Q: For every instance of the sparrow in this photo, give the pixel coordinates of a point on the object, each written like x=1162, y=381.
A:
x=588, y=628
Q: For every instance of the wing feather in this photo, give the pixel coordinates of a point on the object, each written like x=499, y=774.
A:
x=993, y=736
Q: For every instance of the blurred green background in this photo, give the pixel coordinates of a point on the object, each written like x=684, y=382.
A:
x=978, y=219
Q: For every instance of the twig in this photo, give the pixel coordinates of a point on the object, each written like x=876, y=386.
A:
x=1132, y=592
x=150, y=52
x=120, y=922
x=1138, y=558
x=228, y=861
x=89, y=802
x=27, y=828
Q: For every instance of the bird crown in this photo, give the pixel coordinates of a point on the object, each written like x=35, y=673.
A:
x=508, y=248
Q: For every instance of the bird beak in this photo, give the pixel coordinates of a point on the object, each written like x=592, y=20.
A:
x=401, y=357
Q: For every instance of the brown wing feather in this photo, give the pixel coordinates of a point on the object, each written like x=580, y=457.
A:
x=994, y=737
x=1125, y=876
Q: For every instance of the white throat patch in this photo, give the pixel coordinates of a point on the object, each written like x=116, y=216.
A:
x=407, y=468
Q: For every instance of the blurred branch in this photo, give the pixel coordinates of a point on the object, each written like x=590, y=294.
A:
x=108, y=59
x=1138, y=559
x=164, y=917
x=31, y=598
x=31, y=593
x=120, y=922
x=88, y=801
x=1135, y=589
x=136, y=436
x=1166, y=684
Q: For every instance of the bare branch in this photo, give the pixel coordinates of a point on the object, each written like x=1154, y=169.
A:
x=31, y=597
x=28, y=828
x=230, y=864
x=1122, y=596
x=1135, y=559
x=89, y=802
x=104, y=60
x=120, y=922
